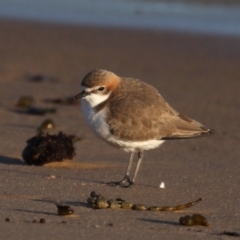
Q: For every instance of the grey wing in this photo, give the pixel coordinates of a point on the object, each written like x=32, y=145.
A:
x=139, y=120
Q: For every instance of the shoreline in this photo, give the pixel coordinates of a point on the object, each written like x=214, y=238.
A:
x=175, y=16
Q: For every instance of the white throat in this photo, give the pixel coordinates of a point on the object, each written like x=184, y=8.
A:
x=94, y=99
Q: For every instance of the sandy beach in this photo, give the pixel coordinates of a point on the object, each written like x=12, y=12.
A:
x=199, y=75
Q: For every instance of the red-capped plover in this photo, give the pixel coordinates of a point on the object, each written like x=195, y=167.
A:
x=131, y=115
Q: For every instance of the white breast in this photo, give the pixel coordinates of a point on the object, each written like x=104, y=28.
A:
x=96, y=120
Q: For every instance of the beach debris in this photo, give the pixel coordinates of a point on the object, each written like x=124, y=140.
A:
x=232, y=234
x=47, y=124
x=62, y=101
x=7, y=220
x=44, y=148
x=64, y=210
x=42, y=220
x=97, y=201
x=39, y=77
x=39, y=111
x=162, y=185
x=195, y=219
x=25, y=102
x=109, y=224
x=36, y=111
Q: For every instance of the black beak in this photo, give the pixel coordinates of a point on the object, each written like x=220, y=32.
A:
x=81, y=95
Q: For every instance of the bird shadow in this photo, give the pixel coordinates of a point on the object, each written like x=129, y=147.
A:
x=158, y=221
x=11, y=161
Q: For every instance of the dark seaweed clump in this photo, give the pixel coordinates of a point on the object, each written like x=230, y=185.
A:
x=45, y=148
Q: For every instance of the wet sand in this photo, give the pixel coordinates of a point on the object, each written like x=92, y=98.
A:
x=197, y=74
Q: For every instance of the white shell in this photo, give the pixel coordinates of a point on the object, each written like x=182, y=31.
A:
x=162, y=185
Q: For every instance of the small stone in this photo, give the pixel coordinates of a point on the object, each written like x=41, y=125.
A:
x=64, y=210
x=42, y=220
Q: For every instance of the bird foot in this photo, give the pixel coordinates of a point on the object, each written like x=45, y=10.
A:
x=125, y=183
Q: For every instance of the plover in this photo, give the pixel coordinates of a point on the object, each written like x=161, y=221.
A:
x=131, y=115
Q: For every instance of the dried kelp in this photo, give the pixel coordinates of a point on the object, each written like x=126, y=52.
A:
x=44, y=148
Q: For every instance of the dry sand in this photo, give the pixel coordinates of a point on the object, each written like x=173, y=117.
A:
x=198, y=75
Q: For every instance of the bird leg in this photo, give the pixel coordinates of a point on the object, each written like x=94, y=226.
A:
x=140, y=158
x=126, y=182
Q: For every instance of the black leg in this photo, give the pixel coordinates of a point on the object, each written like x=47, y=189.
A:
x=126, y=182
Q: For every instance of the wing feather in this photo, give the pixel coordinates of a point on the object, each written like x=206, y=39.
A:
x=139, y=113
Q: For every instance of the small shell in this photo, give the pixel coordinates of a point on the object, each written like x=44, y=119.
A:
x=46, y=125
x=162, y=185
x=139, y=207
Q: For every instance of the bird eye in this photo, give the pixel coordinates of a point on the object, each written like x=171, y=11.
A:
x=101, y=89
